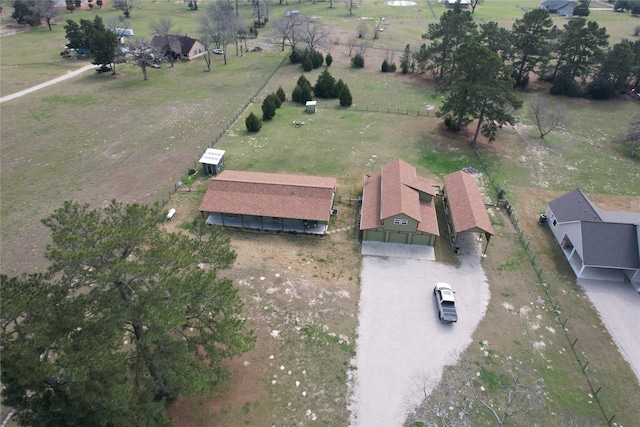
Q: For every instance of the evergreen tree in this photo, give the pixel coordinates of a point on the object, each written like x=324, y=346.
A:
x=296, y=94
x=253, y=123
x=316, y=58
x=405, y=60
x=338, y=88
x=268, y=108
x=125, y=319
x=325, y=84
x=357, y=61
x=530, y=38
x=307, y=63
x=276, y=100
x=281, y=95
x=345, y=97
x=328, y=60
x=24, y=13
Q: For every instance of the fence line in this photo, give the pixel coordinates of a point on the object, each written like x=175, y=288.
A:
x=225, y=128
x=577, y=349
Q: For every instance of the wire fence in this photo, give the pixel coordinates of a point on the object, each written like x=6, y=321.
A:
x=577, y=349
x=179, y=185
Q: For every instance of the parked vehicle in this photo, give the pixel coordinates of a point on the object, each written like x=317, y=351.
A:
x=446, y=302
x=103, y=69
x=218, y=51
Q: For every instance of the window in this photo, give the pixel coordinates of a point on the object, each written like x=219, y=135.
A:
x=399, y=221
x=554, y=222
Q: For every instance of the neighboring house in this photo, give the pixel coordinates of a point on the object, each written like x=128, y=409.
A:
x=559, y=7
x=598, y=244
x=398, y=206
x=181, y=47
x=212, y=161
x=271, y=202
x=464, y=207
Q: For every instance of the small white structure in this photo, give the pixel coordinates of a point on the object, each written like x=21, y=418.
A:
x=311, y=106
x=212, y=161
x=124, y=32
x=171, y=213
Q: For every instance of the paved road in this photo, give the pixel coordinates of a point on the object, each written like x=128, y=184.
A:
x=401, y=341
x=67, y=76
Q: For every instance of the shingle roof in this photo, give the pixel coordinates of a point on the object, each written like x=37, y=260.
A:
x=611, y=245
x=396, y=191
x=574, y=206
x=270, y=195
x=177, y=44
x=466, y=203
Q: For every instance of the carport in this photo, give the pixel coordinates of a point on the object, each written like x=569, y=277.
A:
x=464, y=208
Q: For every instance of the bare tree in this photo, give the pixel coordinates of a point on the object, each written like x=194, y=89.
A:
x=142, y=53
x=288, y=30
x=631, y=137
x=474, y=4
x=314, y=33
x=504, y=388
x=126, y=6
x=363, y=29
x=352, y=5
x=547, y=117
x=162, y=28
x=47, y=11
x=260, y=12
x=219, y=26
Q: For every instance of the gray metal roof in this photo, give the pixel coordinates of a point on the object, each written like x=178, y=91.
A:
x=574, y=206
x=610, y=245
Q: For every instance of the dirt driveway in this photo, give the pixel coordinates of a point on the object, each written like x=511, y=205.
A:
x=401, y=342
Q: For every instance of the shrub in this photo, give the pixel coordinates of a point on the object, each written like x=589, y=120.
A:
x=601, y=89
x=316, y=58
x=388, y=67
x=345, y=97
x=451, y=123
x=268, y=108
x=307, y=63
x=281, y=95
x=296, y=56
x=357, y=61
x=325, y=85
x=296, y=94
x=253, y=123
x=275, y=99
x=328, y=59
x=338, y=88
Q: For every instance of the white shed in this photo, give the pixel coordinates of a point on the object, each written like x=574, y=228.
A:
x=212, y=161
x=311, y=106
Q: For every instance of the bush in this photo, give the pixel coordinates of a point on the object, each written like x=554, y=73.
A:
x=296, y=56
x=268, y=108
x=307, y=63
x=296, y=94
x=388, y=67
x=328, y=59
x=357, y=61
x=338, y=88
x=325, y=85
x=275, y=99
x=601, y=89
x=281, y=95
x=316, y=58
x=451, y=123
x=253, y=123
x=345, y=97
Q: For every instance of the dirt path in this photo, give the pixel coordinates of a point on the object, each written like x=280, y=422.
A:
x=32, y=89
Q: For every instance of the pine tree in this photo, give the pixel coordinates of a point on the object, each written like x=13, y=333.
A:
x=281, y=95
x=325, y=84
x=268, y=108
x=253, y=123
x=345, y=97
x=328, y=59
x=307, y=63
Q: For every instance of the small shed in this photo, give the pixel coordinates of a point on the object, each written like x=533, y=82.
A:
x=311, y=106
x=212, y=161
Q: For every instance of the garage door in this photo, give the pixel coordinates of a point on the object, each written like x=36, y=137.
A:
x=398, y=238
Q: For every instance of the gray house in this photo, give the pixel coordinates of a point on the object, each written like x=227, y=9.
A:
x=559, y=7
x=598, y=244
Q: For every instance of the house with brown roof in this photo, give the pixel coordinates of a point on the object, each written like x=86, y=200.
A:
x=464, y=206
x=599, y=244
x=181, y=47
x=268, y=201
x=398, y=206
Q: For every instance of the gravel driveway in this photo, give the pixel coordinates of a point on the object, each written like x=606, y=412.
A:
x=401, y=341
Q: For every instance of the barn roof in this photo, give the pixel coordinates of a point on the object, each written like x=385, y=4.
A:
x=270, y=195
x=465, y=201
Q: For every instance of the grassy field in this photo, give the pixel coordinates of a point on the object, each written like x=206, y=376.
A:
x=98, y=137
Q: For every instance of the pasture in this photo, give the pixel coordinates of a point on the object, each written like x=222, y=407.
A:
x=99, y=137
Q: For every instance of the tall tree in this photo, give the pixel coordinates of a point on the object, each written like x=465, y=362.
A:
x=103, y=43
x=481, y=88
x=453, y=29
x=313, y=32
x=26, y=12
x=530, y=38
x=287, y=30
x=496, y=38
x=219, y=25
x=127, y=318
x=48, y=11
x=616, y=70
x=126, y=6
x=580, y=49
x=546, y=116
x=163, y=28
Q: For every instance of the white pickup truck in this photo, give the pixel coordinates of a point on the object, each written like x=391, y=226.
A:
x=446, y=302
